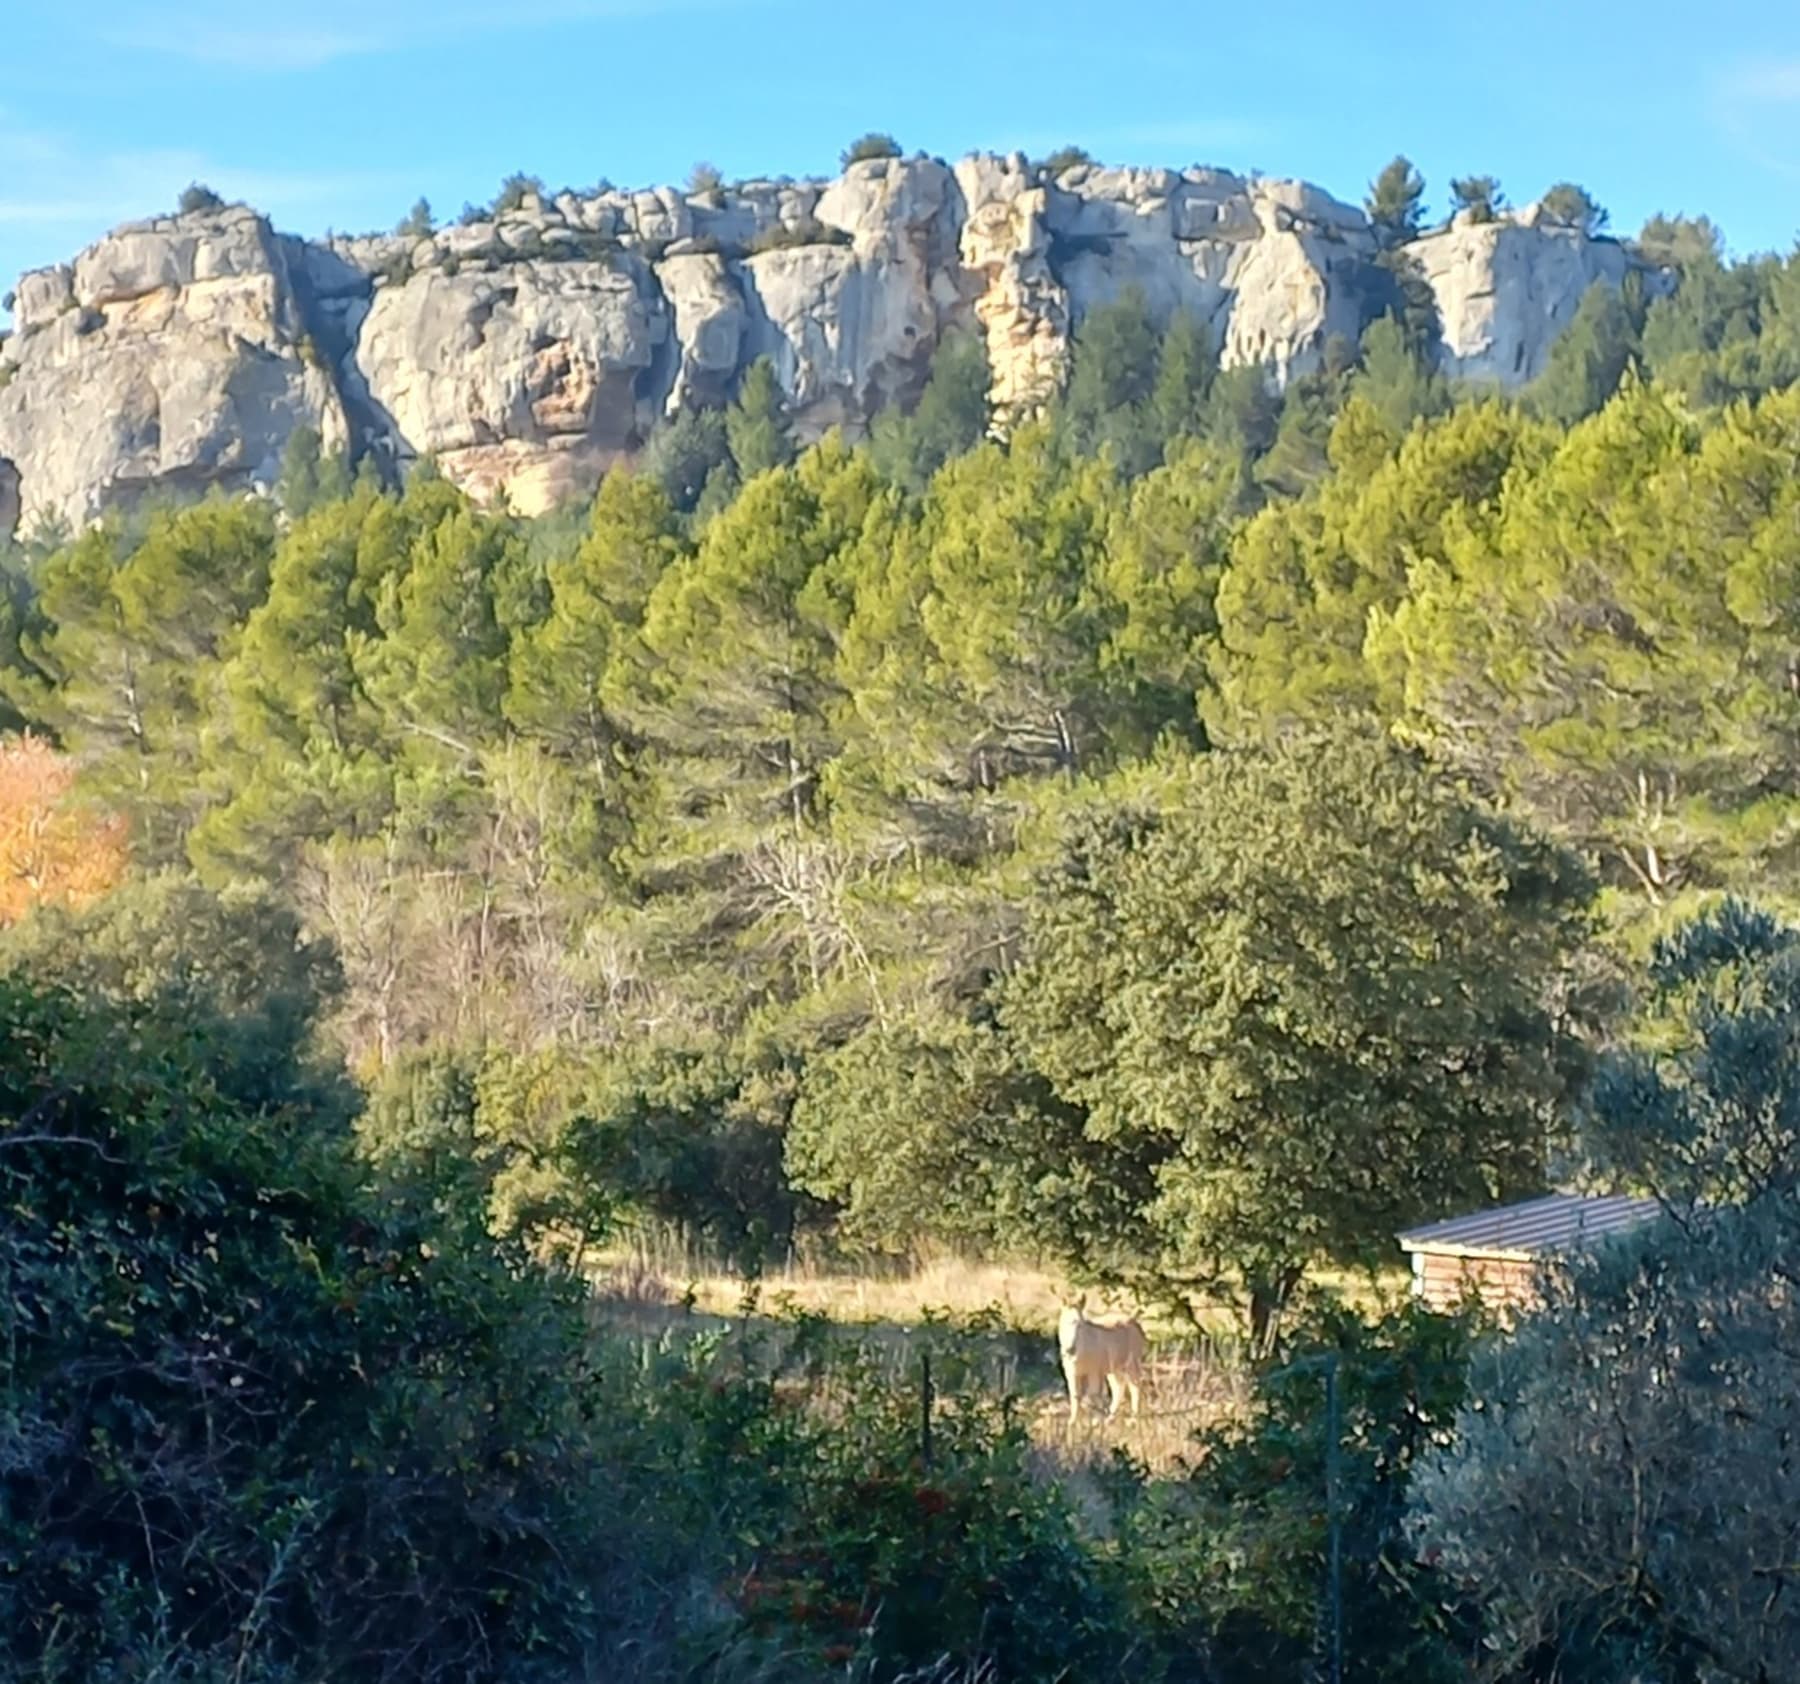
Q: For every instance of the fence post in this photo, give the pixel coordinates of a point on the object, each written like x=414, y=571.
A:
x=1331, y=1518
x=925, y=1408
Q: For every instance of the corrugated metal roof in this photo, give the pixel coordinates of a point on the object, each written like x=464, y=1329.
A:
x=1533, y=1228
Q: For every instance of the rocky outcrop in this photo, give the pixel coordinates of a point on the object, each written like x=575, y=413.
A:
x=850, y=325
x=1274, y=268
x=709, y=321
x=1018, y=301
x=528, y=348
x=172, y=355
x=528, y=377
x=1505, y=290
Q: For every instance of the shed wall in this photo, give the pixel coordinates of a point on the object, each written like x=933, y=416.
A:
x=1503, y=1283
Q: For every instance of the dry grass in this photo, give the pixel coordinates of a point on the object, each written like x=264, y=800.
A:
x=1023, y=1296
x=1184, y=1393
x=1192, y=1383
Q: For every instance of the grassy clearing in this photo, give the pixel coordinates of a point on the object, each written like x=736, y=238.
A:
x=1023, y=1296
x=657, y=1289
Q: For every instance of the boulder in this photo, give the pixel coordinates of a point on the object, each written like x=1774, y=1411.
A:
x=42, y=296
x=229, y=245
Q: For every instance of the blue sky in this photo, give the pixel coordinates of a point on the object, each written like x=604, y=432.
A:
x=342, y=112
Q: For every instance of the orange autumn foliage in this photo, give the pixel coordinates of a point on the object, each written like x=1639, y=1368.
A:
x=50, y=849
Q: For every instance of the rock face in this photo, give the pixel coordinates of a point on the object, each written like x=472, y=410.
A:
x=530, y=373
x=171, y=355
x=528, y=349
x=1505, y=290
x=9, y=496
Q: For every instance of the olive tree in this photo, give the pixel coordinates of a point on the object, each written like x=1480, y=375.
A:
x=1623, y=1493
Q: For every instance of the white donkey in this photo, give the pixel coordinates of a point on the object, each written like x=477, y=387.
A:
x=1107, y=1348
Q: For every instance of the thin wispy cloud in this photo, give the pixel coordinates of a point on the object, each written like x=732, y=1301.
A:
x=242, y=49
x=1755, y=105
x=80, y=191
x=209, y=34
x=1766, y=80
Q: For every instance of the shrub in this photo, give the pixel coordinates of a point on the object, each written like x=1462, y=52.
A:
x=515, y=190
x=396, y=269
x=50, y=850
x=260, y=1413
x=695, y=1140
x=1242, y=1545
x=197, y=197
x=1066, y=158
x=874, y=1545
x=418, y=223
x=1569, y=206
x=869, y=147
x=1627, y=1471
x=784, y=236
x=704, y=178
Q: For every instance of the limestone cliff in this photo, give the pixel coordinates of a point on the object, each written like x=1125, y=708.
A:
x=528, y=351
x=171, y=354
x=1506, y=289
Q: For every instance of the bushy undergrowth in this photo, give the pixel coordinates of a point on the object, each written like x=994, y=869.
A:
x=254, y=1411
x=899, y=1519
x=1240, y=1549
x=265, y=1417
x=271, y=1411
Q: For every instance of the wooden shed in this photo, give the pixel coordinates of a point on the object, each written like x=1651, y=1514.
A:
x=1498, y=1252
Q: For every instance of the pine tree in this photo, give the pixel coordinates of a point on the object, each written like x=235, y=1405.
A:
x=1567, y=206
x=135, y=636
x=561, y=668
x=418, y=223
x=1479, y=195
x=1394, y=379
x=757, y=424
x=950, y=417
x=309, y=476
x=683, y=452
x=735, y=703
x=1395, y=204
x=1588, y=359
x=1294, y=605
x=1112, y=379
x=983, y=610
x=1187, y=364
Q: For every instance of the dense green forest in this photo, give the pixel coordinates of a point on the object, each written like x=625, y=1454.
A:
x=1185, y=840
